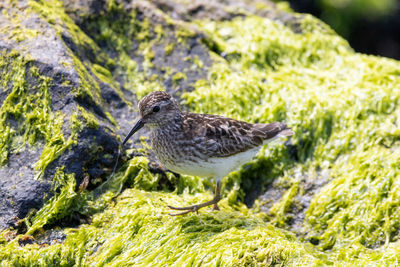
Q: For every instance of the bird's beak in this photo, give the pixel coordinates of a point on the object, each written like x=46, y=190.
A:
x=139, y=124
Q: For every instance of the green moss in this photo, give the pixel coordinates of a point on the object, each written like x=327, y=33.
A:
x=183, y=33
x=341, y=105
x=169, y=48
x=58, y=206
x=29, y=105
x=178, y=77
x=89, y=119
x=118, y=29
x=12, y=27
x=278, y=210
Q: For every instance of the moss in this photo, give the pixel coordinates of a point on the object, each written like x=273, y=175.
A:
x=344, y=125
x=58, y=206
x=89, y=119
x=169, y=48
x=12, y=27
x=341, y=105
x=30, y=106
x=133, y=79
x=178, y=77
x=183, y=33
x=119, y=29
x=278, y=210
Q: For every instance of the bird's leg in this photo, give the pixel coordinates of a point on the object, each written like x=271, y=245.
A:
x=195, y=208
x=217, y=195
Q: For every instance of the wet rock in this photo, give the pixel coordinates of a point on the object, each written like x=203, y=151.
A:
x=309, y=185
x=51, y=237
x=95, y=148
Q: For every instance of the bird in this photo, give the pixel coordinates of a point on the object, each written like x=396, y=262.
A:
x=203, y=145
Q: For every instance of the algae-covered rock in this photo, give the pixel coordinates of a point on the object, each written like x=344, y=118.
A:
x=71, y=73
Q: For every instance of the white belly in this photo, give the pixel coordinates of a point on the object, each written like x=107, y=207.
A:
x=214, y=167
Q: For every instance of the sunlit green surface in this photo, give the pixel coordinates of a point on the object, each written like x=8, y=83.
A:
x=343, y=108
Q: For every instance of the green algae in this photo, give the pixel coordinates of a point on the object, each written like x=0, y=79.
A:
x=133, y=79
x=27, y=117
x=55, y=145
x=177, y=77
x=58, y=206
x=89, y=119
x=89, y=89
x=169, y=48
x=343, y=108
x=119, y=30
x=138, y=231
x=279, y=209
x=14, y=29
x=29, y=105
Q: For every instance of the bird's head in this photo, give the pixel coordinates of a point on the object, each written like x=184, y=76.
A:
x=155, y=109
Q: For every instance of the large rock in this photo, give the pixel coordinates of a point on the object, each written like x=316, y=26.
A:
x=86, y=79
x=71, y=73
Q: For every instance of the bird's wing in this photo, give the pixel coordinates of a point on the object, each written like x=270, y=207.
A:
x=217, y=136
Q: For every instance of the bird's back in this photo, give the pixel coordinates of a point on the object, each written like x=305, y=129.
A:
x=219, y=136
x=211, y=145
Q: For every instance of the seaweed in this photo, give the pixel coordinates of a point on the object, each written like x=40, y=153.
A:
x=342, y=106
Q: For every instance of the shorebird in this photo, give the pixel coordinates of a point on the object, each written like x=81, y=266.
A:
x=201, y=144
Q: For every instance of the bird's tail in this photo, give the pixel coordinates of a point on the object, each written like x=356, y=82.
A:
x=286, y=132
x=274, y=131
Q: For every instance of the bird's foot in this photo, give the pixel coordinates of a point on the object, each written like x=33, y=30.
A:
x=195, y=208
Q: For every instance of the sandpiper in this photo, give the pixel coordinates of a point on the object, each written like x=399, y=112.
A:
x=201, y=144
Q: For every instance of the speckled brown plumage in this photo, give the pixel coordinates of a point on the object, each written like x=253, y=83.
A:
x=223, y=137
x=201, y=144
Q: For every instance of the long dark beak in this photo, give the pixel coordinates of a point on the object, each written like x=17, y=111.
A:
x=139, y=124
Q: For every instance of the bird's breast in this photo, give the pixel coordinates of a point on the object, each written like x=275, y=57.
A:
x=171, y=147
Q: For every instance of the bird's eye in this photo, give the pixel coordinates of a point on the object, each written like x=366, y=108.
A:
x=156, y=109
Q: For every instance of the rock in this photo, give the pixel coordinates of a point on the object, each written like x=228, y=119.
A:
x=87, y=81
x=48, y=54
